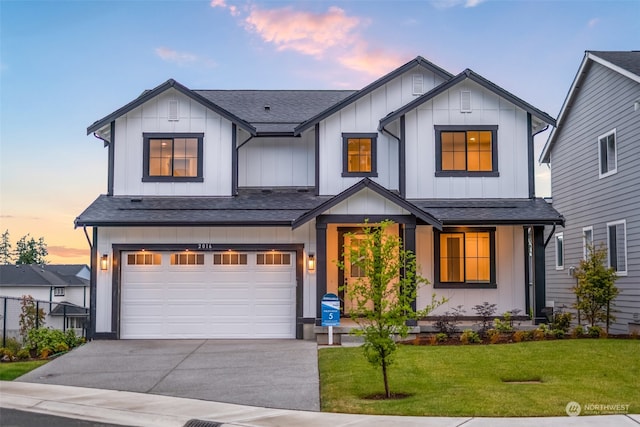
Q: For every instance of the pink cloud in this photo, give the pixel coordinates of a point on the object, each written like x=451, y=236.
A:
x=304, y=32
x=333, y=36
x=182, y=58
x=66, y=252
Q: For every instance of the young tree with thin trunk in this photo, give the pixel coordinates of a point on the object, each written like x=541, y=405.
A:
x=596, y=289
x=382, y=297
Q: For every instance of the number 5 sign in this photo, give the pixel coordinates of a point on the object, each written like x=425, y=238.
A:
x=330, y=310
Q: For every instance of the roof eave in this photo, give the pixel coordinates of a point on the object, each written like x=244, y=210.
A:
x=370, y=88
x=475, y=77
x=150, y=94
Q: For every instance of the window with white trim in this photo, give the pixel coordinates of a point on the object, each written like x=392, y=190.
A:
x=587, y=241
x=608, y=153
x=559, y=251
x=617, y=246
x=58, y=291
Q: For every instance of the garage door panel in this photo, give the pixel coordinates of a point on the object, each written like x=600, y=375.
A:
x=208, y=300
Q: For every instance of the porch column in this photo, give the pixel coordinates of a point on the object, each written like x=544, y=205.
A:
x=321, y=268
x=539, y=281
x=409, y=239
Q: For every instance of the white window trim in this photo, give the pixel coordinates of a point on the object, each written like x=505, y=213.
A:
x=626, y=261
x=584, y=242
x=561, y=236
x=615, y=169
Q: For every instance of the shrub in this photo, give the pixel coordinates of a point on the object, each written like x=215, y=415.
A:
x=519, y=336
x=4, y=351
x=486, y=312
x=541, y=332
x=469, y=336
x=441, y=337
x=596, y=332
x=448, y=322
x=13, y=345
x=493, y=335
x=577, y=332
x=433, y=340
x=31, y=316
x=22, y=354
x=48, y=340
x=561, y=321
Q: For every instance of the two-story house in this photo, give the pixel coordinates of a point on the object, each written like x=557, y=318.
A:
x=226, y=211
x=595, y=180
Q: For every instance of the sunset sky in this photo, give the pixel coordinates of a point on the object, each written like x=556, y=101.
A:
x=65, y=64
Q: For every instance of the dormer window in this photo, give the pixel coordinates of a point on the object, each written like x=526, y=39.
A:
x=172, y=157
x=466, y=150
x=359, y=154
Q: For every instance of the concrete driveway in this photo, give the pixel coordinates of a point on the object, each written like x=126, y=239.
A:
x=270, y=373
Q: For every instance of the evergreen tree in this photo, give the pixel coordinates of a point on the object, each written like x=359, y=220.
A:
x=31, y=251
x=6, y=256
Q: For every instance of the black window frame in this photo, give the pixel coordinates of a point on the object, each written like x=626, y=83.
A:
x=466, y=128
x=147, y=137
x=492, y=284
x=374, y=154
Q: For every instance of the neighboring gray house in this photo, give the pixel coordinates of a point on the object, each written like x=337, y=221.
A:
x=64, y=288
x=595, y=157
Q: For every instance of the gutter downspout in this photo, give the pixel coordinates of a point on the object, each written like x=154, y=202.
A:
x=84, y=228
x=400, y=155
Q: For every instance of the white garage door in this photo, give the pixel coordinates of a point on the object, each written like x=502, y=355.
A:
x=208, y=295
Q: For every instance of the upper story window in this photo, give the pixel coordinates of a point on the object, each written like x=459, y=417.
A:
x=58, y=292
x=359, y=154
x=172, y=157
x=466, y=150
x=465, y=258
x=608, y=154
x=617, y=245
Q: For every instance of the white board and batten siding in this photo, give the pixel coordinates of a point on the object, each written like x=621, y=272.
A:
x=510, y=275
x=486, y=109
x=153, y=116
x=277, y=162
x=363, y=116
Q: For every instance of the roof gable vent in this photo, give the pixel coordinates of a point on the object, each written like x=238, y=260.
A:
x=173, y=110
x=418, y=84
x=465, y=101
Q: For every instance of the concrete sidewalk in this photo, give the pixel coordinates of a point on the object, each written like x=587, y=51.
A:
x=141, y=409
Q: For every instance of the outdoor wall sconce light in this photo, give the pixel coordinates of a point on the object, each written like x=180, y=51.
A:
x=104, y=262
x=311, y=262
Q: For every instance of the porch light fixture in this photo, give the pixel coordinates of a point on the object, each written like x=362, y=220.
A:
x=104, y=262
x=311, y=262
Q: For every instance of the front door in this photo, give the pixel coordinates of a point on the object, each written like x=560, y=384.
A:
x=348, y=239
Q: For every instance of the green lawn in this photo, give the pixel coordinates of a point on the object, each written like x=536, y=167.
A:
x=470, y=380
x=12, y=370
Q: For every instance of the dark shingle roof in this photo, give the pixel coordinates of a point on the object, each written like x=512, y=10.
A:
x=42, y=275
x=250, y=207
x=65, y=308
x=491, y=211
x=286, y=108
x=629, y=60
x=284, y=207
